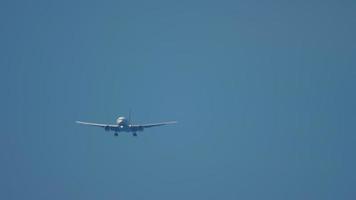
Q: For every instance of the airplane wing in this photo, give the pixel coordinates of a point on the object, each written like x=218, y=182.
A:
x=97, y=125
x=153, y=124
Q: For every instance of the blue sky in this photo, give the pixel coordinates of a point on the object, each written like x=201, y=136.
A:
x=263, y=92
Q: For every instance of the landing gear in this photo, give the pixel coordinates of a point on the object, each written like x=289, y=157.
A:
x=134, y=134
x=116, y=134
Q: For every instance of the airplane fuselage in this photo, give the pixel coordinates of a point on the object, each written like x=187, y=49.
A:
x=123, y=125
x=123, y=128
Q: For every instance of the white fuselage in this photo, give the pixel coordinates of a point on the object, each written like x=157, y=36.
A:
x=121, y=121
x=123, y=125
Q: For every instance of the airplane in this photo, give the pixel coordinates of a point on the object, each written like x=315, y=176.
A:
x=125, y=125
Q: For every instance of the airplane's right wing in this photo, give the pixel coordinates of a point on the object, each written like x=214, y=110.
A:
x=97, y=125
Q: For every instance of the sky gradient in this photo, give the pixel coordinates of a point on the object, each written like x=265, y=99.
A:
x=264, y=92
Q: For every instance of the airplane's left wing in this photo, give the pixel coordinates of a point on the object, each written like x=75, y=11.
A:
x=153, y=124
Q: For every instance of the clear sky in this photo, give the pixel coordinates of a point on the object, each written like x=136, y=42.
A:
x=264, y=92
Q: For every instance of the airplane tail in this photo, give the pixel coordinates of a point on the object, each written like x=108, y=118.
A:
x=130, y=116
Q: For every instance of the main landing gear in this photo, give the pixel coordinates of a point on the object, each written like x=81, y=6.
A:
x=134, y=134
x=116, y=134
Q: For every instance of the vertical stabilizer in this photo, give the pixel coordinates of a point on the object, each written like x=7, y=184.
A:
x=130, y=116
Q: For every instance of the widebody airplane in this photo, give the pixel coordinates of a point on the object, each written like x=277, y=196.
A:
x=124, y=125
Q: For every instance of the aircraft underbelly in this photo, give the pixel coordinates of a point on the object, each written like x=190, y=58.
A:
x=129, y=129
x=123, y=129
